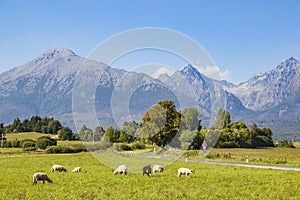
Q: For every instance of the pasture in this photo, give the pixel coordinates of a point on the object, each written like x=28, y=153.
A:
x=267, y=156
x=27, y=135
x=96, y=181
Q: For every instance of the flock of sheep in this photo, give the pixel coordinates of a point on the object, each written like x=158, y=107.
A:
x=40, y=176
x=122, y=169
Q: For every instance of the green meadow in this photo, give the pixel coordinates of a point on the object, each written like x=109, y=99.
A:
x=96, y=181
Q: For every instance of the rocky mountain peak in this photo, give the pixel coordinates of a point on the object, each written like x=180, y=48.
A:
x=58, y=52
x=190, y=70
x=54, y=54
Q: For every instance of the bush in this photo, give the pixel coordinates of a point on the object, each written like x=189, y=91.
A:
x=79, y=148
x=16, y=143
x=285, y=144
x=28, y=145
x=26, y=140
x=66, y=149
x=45, y=141
x=7, y=144
x=59, y=149
x=123, y=147
x=138, y=145
x=53, y=149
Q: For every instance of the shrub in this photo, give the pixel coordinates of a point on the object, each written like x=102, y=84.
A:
x=7, y=144
x=26, y=140
x=138, y=145
x=16, y=143
x=79, y=148
x=123, y=147
x=66, y=149
x=45, y=141
x=53, y=149
x=285, y=143
x=59, y=149
x=28, y=145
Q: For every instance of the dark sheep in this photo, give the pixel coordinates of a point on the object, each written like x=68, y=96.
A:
x=147, y=170
x=41, y=177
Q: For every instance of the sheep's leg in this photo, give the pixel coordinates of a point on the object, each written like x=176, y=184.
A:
x=43, y=181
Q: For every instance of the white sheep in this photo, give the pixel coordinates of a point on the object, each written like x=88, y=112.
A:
x=185, y=171
x=122, y=169
x=76, y=169
x=158, y=168
x=59, y=168
x=41, y=177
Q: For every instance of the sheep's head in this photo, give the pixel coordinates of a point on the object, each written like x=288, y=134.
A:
x=192, y=171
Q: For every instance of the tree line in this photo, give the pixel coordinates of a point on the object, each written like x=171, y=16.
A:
x=39, y=125
x=34, y=124
x=163, y=125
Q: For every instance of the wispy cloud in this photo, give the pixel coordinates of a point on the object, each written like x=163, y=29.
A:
x=162, y=70
x=215, y=72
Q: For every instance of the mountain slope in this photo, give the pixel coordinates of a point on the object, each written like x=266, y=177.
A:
x=30, y=88
x=271, y=88
x=63, y=85
x=208, y=94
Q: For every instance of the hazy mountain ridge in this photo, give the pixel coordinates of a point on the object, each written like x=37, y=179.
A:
x=271, y=88
x=45, y=86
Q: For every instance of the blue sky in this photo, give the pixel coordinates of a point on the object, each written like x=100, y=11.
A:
x=242, y=37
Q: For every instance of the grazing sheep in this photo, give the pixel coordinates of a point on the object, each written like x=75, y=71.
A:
x=122, y=169
x=40, y=177
x=185, y=171
x=59, y=168
x=158, y=168
x=76, y=169
x=147, y=170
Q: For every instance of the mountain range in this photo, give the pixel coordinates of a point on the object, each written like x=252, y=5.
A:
x=63, y=85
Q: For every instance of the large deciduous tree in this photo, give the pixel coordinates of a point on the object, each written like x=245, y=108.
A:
x=222, y=120
x=190, y=119
x=161, y=123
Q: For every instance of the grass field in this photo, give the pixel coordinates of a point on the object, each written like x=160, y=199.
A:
x=27, y=135
x=98, y=182
x=269, y=156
